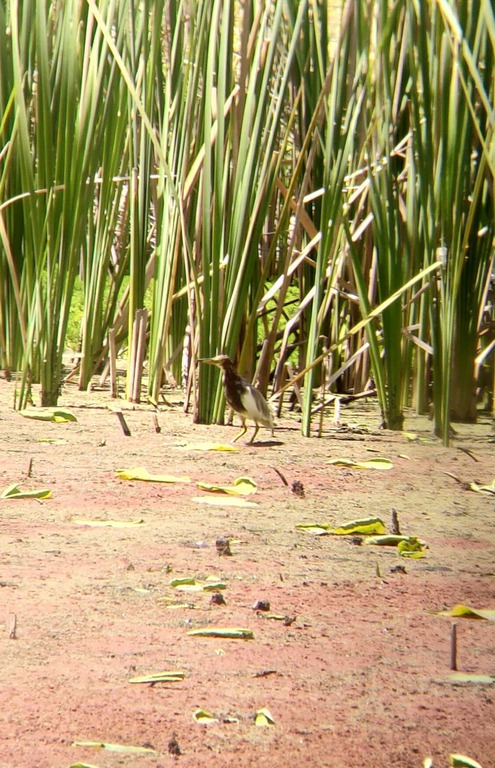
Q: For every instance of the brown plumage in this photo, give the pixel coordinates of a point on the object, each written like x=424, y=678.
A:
x=245, y=399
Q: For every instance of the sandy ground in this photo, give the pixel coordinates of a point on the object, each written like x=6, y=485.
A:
x=351, y=661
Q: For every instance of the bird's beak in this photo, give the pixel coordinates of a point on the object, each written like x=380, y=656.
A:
x=209, y=360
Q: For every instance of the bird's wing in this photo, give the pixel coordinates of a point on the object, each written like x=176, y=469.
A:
x=256, y=408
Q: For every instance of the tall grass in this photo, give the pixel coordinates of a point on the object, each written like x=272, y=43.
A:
x=307, y=187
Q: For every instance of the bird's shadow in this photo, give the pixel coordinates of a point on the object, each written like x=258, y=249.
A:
x=264, y=443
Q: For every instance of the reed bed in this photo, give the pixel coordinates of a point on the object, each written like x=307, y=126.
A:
x=303, y=185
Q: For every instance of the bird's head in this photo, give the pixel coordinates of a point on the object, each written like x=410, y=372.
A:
x=222, y=361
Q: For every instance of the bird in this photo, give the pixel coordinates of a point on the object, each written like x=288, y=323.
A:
x=243, y=397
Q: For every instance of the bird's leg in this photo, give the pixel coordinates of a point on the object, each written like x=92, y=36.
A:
x=242, y=432
x=254, y=434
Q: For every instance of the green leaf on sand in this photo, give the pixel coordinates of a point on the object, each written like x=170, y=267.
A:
x=387, y=540
x=377, y=463
x=461, y=761
x=188, y=584
x=412, y=547
x=58, y=415
x=366, y=526
x=229, y=633
x=14, y=492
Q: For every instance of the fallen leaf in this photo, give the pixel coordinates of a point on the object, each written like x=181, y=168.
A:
x=263, y=718
x=368, y=525
x=180, y=580
x=204, y=717
x=110, y=523
x=465, y=612
x=209, y=447
x=160, y=677
x=115, y=747
x=317, y=529
x=414, y=437
x=465, y=677
x=83, y=765
x=461, y=761
x=193, y=585
x=52, y=440
x=232, y=633
x=141, y=473
x=387, y=540
x=14, y=492
x=411, y=547
x=58, y=415
x=242, y=486
x=225, y=501
x=378, y=463
x=486, y=490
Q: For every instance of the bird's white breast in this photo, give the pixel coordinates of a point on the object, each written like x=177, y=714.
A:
x=256, y=408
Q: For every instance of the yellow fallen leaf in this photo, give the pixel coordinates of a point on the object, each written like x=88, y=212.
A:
x=58, y=415
x=181, y=580
x=486, y=490
x=225, y=501
x=387, y=540
x=465, y=612
x=411, y=547
x=466, y=677
x=14, y=492
x=160, y=677
x=187, y=584
x=209, y=447
x=229, y=633
x=141, y=473
x=369, y=525
x=242, y=486
x=83, y=765
x=204, y=717
x=461, y=761
x=263, y=718
x=317, y=529
x=110, y=523
x=378, y=463
x=115, y=747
